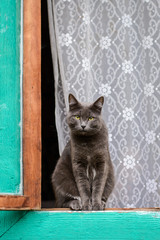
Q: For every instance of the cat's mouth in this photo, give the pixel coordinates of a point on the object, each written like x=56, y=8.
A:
x=83, y=131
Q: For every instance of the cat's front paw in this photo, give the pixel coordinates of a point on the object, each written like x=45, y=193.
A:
x=103, y=204
x=76, y=205
x=87, y=206
x=98, y=206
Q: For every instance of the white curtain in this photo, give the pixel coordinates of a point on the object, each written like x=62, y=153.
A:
x=112, y=48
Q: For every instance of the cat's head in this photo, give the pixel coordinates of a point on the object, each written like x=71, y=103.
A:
x=84, y=119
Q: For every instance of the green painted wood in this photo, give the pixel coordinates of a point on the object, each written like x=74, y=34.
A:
x=8, y=219
x=83, y=225
x=10, y=97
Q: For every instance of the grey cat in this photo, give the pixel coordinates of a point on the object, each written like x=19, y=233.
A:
x=83, y=178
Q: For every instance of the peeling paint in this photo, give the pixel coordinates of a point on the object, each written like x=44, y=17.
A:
x=3, y=106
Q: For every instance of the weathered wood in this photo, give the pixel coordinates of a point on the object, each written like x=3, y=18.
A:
x=106, y=209
x=10, y=97
x=32, y=103
x=87, y=225
x=69, y=210
x=12, y=201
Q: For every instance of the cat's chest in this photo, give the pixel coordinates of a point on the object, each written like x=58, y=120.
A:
x=90, y=172
x=88, y=154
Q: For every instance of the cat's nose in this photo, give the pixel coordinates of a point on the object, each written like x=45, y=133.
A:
x=83, y=126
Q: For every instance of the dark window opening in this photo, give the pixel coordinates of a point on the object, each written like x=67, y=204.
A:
x=50, y=152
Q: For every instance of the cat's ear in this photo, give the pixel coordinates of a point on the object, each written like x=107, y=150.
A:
x=73, y=102
x=97, y=105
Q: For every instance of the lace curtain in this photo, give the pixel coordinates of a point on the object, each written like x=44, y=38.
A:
x=112, y=48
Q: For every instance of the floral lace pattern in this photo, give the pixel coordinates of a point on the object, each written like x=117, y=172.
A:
x=147, y=42
x=105, y=90
x=128, y=114
x=127, y=66
x=112, y=48
x=105, y=42
x=129, y=162
x=127, y=20
x=65, y=39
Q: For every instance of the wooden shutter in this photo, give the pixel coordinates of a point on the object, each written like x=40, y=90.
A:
x=31, y=198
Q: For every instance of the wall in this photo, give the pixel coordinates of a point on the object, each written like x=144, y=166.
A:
x=8, y=219
x=86, y=225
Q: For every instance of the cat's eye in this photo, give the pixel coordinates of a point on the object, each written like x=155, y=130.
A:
x=90, y=118
x=77, y=117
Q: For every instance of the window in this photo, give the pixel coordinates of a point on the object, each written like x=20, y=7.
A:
x=31, y=196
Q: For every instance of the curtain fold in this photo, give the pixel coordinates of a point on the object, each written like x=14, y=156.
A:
x=60, y=92
x=112, y=48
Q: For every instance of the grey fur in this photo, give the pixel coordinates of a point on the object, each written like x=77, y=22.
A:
x=83, y=178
